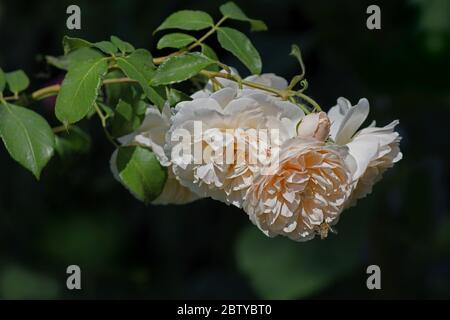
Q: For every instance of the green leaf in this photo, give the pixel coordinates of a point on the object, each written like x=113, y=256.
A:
x=295, y=52
x=187, y=20
x=27, y=137
x=123, y=46
x=140, y=172
x=238, y=44
x=79, y=90
x=139, y=66
x=74, y=141
x=70, y=44
x=174, y=96
x=209, y=52
x=17, y=81
x=127, y=118
x=175, y=40
x=73, y=58
x=2, y=80
x=82, y=55
x=106, y=46
x=232, y=11
x=179, y=68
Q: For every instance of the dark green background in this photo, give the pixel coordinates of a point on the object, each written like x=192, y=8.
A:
x=78, y=213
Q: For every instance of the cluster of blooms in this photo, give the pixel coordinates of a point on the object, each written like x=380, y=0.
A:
x=325, y=162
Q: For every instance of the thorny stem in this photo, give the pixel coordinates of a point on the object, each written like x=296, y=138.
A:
x=206, y=35
x=54, y=89
x=287, y=94
x=45, y=92
x=160, y=60
x=216, y=84
x=62, y=128
x=309, y=100
x=197, y=43
x=284, y=94
x=304, y=108
x=11, y=98
x=103, y=119
x=118, y=80
x=212, y=74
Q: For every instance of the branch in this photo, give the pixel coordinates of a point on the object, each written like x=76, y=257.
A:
x=206, y=35
x=54, y=89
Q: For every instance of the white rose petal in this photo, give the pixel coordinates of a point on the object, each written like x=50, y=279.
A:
x=375, y=149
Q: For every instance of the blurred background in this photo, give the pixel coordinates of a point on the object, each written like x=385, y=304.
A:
x=78, y=214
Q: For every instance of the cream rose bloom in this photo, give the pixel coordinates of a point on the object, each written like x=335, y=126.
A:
x=152, y=134
x=375, y=149
x=226, y=116
x=307, y=193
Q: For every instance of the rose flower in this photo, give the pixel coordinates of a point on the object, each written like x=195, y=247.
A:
x=226, y=117
x=375, y=149
x=307, y=192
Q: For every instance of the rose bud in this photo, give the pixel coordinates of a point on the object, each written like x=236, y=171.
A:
x=314, y=125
